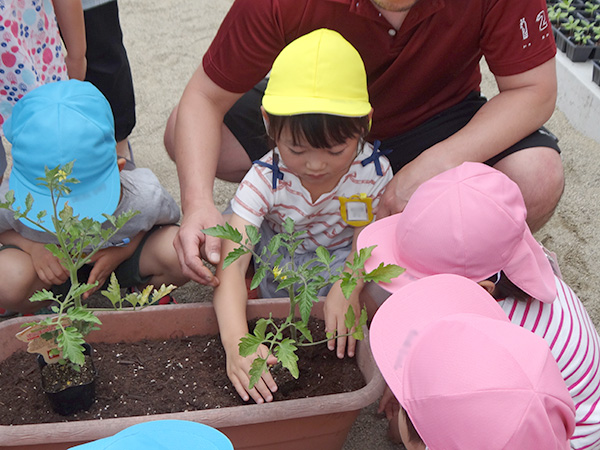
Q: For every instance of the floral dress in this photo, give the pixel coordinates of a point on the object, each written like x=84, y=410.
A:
x=31, y=50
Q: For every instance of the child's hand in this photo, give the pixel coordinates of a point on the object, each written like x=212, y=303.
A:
x=335, y=309
x=76, y=67
x=47, y=266
x=238, y=371
x=105, y=262
x=388, y=404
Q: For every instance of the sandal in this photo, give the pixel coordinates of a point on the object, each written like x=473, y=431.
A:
x=5, y=313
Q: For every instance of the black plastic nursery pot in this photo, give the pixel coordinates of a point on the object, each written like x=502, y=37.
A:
x=578, y=52
x=560, y=39
x=596, y=72
x=74, y=397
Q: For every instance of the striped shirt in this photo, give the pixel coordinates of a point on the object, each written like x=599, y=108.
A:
x=256, y=200
x=574, y=342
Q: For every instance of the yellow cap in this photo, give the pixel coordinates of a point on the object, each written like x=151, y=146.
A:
x=319, y=72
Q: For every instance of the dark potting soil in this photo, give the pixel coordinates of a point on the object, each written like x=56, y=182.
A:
x=156, y=377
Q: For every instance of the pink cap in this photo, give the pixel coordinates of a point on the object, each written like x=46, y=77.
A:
x=470, y=221
x=467, y=377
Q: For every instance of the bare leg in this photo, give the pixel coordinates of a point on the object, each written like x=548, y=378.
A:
x=18, y=281
x=159, y=260
x=539, y=173
x=233, y=159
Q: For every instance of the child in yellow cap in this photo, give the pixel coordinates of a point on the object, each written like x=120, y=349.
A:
x=316, y=110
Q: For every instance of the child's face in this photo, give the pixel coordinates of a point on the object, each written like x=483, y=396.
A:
x=319, y=169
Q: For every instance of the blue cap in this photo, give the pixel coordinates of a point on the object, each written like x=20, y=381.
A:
x=53, y=125
x=163, y=435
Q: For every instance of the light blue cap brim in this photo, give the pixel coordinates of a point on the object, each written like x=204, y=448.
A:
x=163, y=435
x=56, y=124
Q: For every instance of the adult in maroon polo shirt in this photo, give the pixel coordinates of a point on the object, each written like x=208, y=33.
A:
x=422, y=59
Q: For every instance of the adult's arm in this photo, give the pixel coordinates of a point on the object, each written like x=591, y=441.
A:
x=525, y=102
x=197, y=146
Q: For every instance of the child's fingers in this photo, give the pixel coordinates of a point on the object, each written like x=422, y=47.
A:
x=351, y=346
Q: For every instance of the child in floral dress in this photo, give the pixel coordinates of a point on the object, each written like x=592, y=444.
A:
x=31, y=49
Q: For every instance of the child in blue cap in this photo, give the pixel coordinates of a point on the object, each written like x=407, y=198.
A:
x=163, y=435
x=72, y=121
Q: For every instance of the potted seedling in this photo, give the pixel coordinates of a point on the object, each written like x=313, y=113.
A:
x=590, y=9
x=579, y=47
x=67, y=368
x=596, y=72
x=300, y=283
x=556, y=16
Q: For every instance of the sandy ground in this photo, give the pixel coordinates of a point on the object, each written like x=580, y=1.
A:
x=166, y=41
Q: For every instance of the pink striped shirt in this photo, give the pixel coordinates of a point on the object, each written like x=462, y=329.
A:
x=255, y=200
x=574, y=342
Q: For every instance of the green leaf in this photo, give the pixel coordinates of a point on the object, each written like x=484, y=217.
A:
x=71, y=344
x=348, y=284
x=249, y=345
x=274, y=244
x=42, y=296
x=307, y=295
x=260, y=328
x=324, y=256
x=286, y=355
x=258, y=367
x=384, y=273
x=288, y=225
x=81, y=313
x=350, y=318
x=253, y=234
x=233, y=256
x=224, y=232
x=113, y=292
x=259, y=275
x=78, y=290
x=359, y=334
x=29, y=202
x=303, y=328
x=288, y=281
x=66, y=213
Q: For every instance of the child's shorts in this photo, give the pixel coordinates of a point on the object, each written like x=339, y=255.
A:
x=128, y=272
x=244, y=120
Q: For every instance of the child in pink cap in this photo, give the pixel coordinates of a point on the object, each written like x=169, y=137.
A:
x=465, y=376
x=470, y=221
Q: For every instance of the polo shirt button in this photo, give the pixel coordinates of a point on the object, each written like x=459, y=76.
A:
x=392, y=32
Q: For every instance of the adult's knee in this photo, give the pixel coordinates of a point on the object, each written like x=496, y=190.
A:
x=169, y=135
x=539, y=173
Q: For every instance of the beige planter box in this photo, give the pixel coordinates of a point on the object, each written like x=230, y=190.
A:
x=313, y=423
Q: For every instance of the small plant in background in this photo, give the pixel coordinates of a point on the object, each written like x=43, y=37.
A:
x=591, y=8
x=566, y=6
x=302, y=284
x=581, y=37
x=556, y=14
x=77, y=241
x=570, y=25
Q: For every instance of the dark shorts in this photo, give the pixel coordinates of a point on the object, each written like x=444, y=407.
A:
x=244, y=120
x=127, y=273
x=108, y=66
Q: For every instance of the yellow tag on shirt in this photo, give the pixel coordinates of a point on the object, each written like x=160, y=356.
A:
x=356, y=211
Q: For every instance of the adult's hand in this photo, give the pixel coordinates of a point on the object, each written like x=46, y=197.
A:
x=409, y=178
x=191, y=245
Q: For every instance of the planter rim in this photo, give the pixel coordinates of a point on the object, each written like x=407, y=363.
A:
x=86, y=430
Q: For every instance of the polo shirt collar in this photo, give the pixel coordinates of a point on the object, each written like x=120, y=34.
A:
x=418, y=13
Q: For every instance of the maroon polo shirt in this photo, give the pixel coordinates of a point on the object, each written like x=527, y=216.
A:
x=428, y=65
